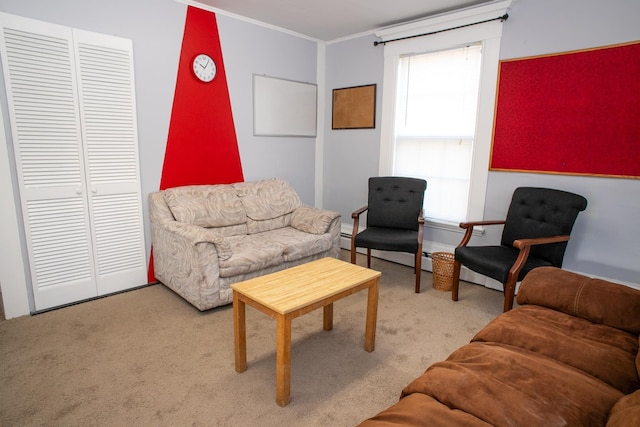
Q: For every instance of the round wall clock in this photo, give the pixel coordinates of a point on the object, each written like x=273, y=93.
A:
x=204, y=68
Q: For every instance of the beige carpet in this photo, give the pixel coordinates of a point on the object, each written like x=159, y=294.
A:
x=148, y=358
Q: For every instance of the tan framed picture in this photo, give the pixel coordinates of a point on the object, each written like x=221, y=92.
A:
x=354, y=107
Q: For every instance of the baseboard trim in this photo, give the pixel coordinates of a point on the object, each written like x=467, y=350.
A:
x=46, y=310
x=407, y=259
x=430, y=247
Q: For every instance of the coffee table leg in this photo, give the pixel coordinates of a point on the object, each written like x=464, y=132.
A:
x=283, y=360
x=327, y=317
x=372, y=315
x=239, y=333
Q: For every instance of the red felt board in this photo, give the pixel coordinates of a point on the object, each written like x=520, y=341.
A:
x=574, y=113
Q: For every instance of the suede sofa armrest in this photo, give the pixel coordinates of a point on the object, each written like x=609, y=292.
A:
x=626, y=412
x=313, y=220
x=596, y=300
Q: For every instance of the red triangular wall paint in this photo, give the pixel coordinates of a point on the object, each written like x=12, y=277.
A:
x=201, y=146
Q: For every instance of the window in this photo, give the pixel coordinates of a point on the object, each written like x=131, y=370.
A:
x=436, y=104
x=436, y=128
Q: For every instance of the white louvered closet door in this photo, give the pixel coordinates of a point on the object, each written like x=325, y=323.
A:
x=83, y=227
x=110, y=135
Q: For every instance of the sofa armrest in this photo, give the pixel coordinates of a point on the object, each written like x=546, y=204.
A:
x=313, y=220
x=159, y=211
x=186, y=263
x=596, y=300
x=195, y=234
x=626, y=412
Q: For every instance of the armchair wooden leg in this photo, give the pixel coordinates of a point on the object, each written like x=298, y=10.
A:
x=455, y=280
x=509, y=293
x=353, y=250
x=368, y=258
x=418, y=265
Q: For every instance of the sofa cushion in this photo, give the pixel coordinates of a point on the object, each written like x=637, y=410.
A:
x=626, y=411
x=509, y=386
x=598, y=350
x=253, y=252
x=261, y=226
x=250, y=253
x=298, y=244
x=593, y=299
x=267, y=199
x=206, y=205
x=421, y=410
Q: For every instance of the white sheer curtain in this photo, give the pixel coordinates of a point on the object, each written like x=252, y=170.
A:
x=435, y=122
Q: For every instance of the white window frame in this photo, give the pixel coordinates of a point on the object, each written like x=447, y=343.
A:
x=489, y=34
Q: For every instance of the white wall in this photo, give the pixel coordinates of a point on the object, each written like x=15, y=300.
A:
x=604, y=241
x=251, y=49
x=351, y=156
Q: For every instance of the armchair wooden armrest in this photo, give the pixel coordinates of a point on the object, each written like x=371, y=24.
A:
x=356, y=214
x=356, y=225
x=420, y=233
x=525, y=247
x=468, y=226
x=521, y=243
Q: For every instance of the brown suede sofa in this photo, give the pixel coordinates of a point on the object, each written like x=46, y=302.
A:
x=566, y=356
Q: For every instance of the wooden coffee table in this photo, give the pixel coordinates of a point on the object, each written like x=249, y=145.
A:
x=290, y=293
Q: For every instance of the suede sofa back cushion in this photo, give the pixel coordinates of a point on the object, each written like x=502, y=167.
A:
x=617, y=305
x=206, y=205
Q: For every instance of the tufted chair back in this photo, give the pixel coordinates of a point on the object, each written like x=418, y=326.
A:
x=395, y=202
x=542, y=212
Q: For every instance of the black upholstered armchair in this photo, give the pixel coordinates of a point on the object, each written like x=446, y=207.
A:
x=394, y=219
x=535, y=234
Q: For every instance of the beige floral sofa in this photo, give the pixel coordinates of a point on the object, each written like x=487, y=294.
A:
x=206, y=237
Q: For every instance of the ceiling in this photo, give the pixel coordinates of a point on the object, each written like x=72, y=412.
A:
x=329, y=20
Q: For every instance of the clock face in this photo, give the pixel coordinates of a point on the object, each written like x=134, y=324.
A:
x=204, y=68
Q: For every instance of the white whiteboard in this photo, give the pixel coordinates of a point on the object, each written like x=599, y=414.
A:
x=283, y=107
